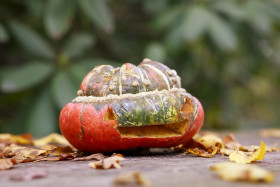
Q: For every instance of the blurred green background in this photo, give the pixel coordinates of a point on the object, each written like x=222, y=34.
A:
x=227, y=53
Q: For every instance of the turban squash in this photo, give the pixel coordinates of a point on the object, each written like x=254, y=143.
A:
x=130, y=107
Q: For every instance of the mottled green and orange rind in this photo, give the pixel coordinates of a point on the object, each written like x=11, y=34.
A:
x=153, y=109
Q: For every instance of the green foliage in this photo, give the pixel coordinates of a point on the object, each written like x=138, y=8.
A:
x=226, y=52
x=3, y=34
x=29, y=75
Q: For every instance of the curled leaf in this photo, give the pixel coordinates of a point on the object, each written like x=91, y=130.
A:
x=230, y=142
x=241, y=158
x=211, y=142
x=204, y=146
x=106, y=163
x=52, y=138
x=239, y=172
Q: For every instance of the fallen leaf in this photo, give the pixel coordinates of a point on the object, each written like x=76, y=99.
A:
x=6, y=163
x=240, y=172
x=68, y=156
x=106, y=163
x=49, y=147
x=58, y=150
x=96, y=156
x=26, y=152
x=241, y=158
x=230, y=142
x=211, y=142
x=202, y=148
x=131, y=178
x=199, y=152
x=20, y=158
x=29, y=175
x=52, y=138
x=26, y=139
x=226, y=151
x=270, y=133
x=249, y=148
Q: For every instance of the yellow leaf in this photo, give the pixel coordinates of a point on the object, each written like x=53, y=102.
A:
x=211, y=142
x=241, y=158
x=26, y=139
x=52, y=138
x=199, y=152
x=240, y=172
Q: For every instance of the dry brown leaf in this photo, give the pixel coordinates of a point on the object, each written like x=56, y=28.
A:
x=131, y=178
x=211, y=143
x=58, y=151
x=6, y=163
x=29, y=175
x=48, y=147
x=52, y=138
x=106, y=163
x=204, y=148
x=241, y=158
x=26, y=152
x=240, y=172
x=199, y=152
x=230, y=142
x=20, y=158
x=26, y=139
x=195, y=148
x=270, y=133
x=96, y=156
x=68, y=156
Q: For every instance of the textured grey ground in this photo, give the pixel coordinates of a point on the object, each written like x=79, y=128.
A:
x=162, y=169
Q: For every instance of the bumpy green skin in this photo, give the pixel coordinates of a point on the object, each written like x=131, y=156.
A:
x=147, y=76
x=153, y=109
x=146, y=104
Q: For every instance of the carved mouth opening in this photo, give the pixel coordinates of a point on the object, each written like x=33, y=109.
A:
x=155, y=131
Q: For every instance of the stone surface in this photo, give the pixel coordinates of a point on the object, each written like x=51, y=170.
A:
x=160, y=167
